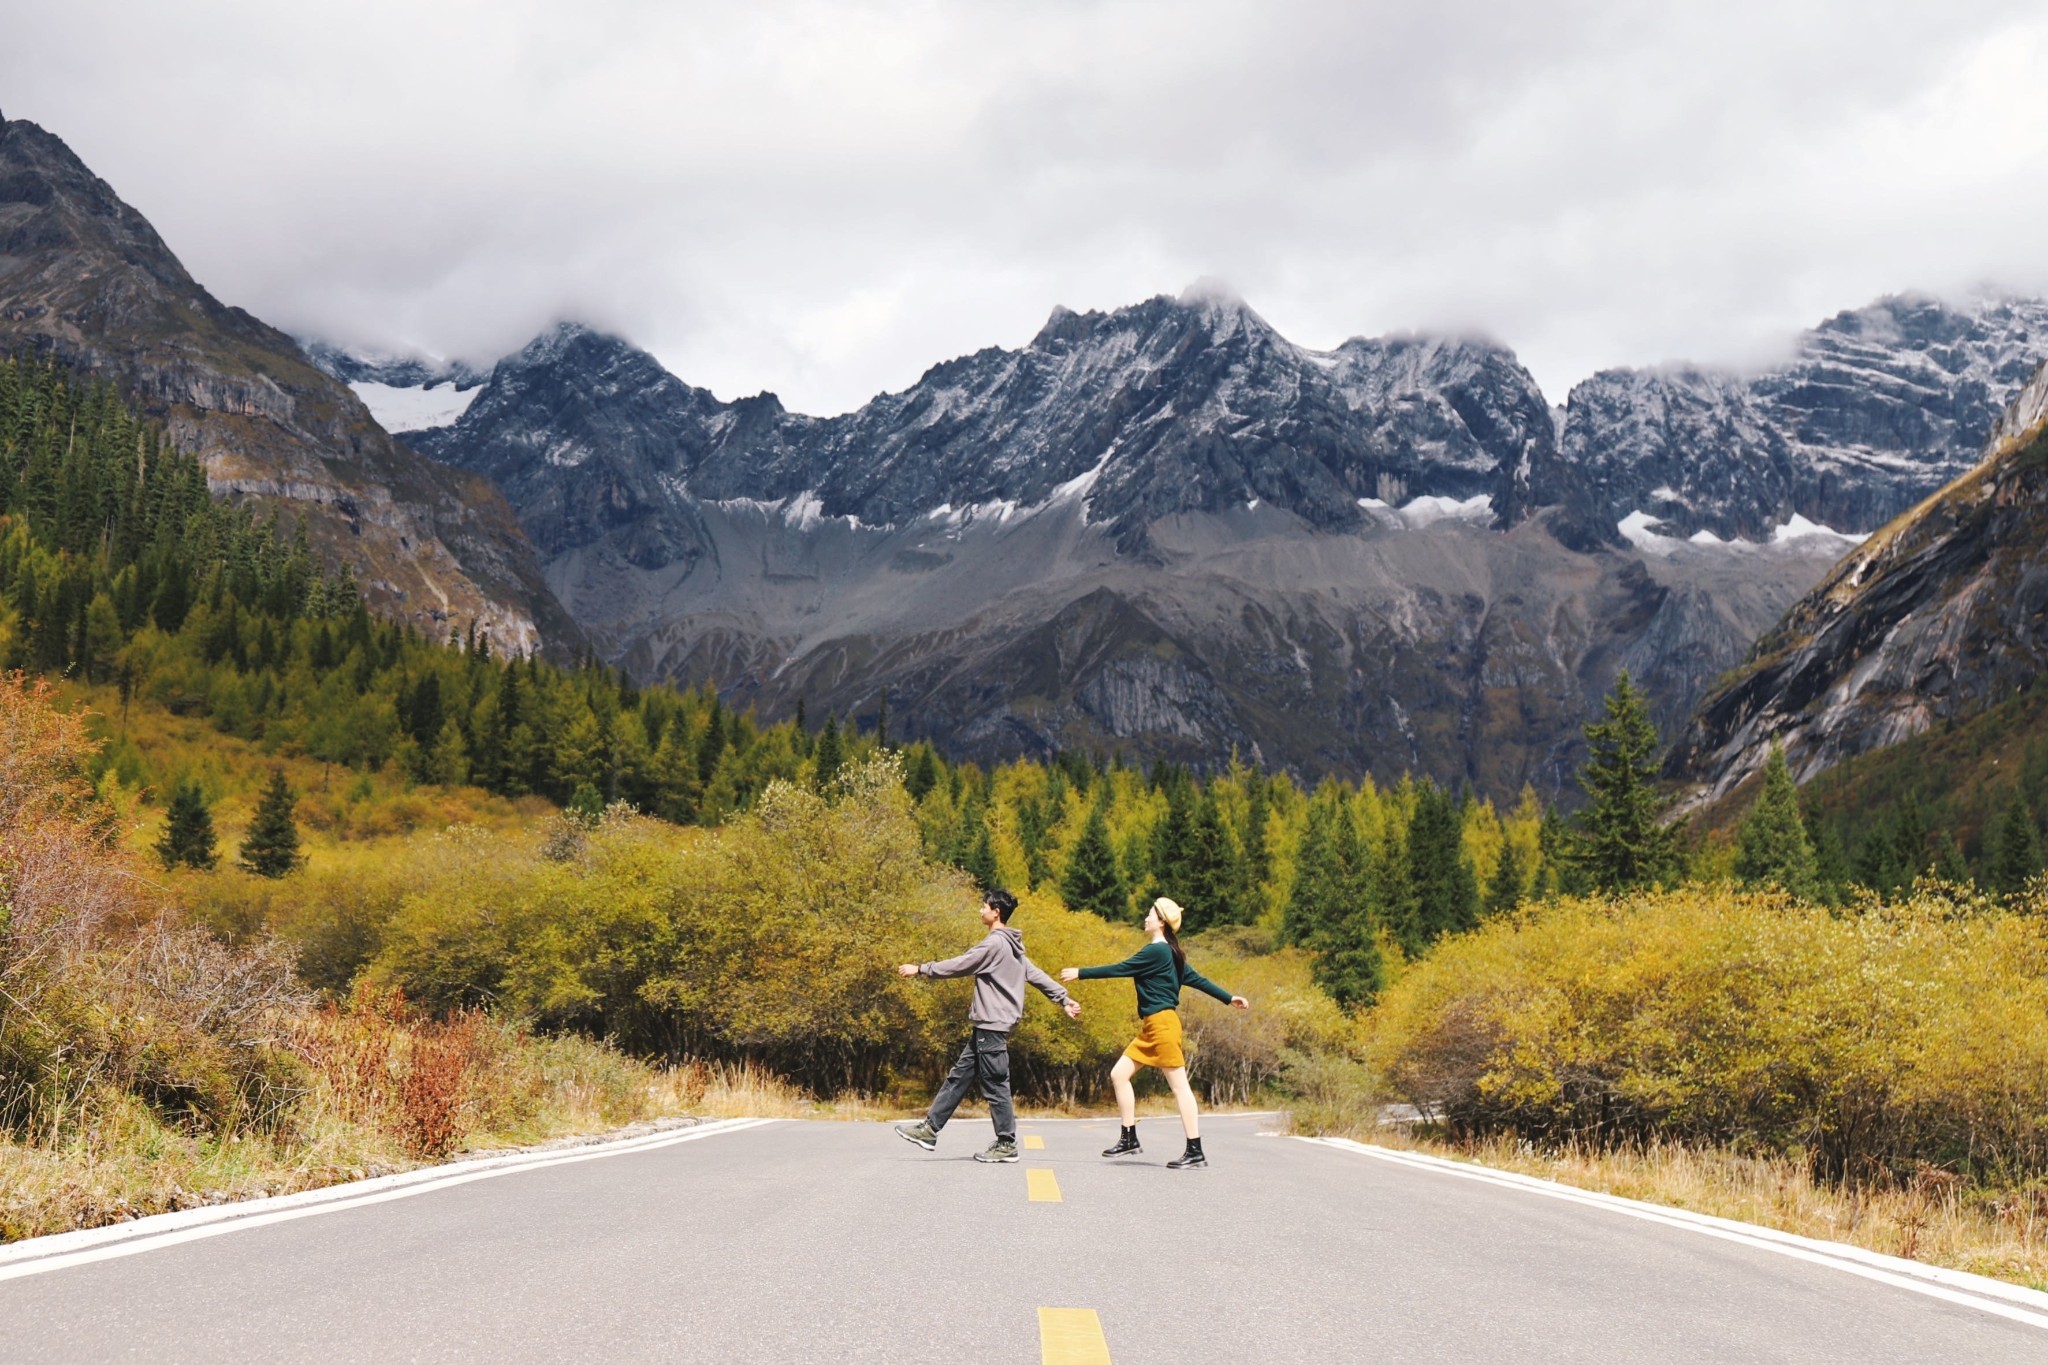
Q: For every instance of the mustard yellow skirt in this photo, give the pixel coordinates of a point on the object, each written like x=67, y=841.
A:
x=1158, y=1041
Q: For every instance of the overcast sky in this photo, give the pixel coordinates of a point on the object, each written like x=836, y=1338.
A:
x=825, y=199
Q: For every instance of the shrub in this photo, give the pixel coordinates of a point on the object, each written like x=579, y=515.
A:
x=1871, y=1041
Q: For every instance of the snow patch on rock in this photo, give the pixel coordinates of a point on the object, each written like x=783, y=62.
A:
x=414, y=409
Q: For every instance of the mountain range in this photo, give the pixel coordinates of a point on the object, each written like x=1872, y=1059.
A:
x=1170, y=530
x=1163, y=529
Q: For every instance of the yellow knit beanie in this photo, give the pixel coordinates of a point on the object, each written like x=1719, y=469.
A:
x=1169, y=912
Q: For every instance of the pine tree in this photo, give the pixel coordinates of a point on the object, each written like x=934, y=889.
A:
x=921, y=774
x=1213, y=877
x=421, y=712
x=1092, y=880
x=1258, y=857
x=271, y=847
x=1172, y=843
x=1830, y=862
x=1504, y=889
x=830, y=755
x=1949, y=863
x=447, y=763
x=1772, y=847
x=1350, y=966
x=1317, y=900
x=1620, y=843
x=674, y=781
x=974, y=847
x=1445, y=888
x=2015, y=852
x=188, y=831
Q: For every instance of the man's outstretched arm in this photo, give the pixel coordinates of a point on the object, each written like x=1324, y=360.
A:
x=967, y=964
x=1052, y=989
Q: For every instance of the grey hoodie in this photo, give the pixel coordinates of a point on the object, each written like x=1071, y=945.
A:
x=999, y=969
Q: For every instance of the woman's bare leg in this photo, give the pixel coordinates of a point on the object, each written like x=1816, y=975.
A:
x=1126, y=1097
x=1184, y=1095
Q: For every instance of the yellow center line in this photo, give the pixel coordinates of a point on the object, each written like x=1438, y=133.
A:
x=1034, y=1143
x=1041, y=1185
x=1071, y=1336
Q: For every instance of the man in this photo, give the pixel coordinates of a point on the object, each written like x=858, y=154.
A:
x=999, y=969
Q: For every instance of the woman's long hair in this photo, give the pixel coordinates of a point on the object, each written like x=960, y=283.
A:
x=1180, y=959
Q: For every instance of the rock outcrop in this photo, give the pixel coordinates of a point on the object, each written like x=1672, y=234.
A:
x=1878, y=409
x=85, y=278
x=1934, y=619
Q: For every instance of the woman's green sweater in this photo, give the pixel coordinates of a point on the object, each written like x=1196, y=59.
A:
x=1158, y=980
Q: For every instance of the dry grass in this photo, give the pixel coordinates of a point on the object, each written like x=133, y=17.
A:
x=385, y=1095
x=1932, y=1218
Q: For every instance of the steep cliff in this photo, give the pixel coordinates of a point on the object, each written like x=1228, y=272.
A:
x=1936, y=618
x=85, y=278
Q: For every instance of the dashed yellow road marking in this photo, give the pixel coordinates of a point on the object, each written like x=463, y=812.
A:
x=1034, y=1143
x=1041, y=1185
x=1071, y=1336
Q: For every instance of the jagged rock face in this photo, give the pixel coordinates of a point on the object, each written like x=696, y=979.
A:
x=1164, y=528
x=1171, y=406
x=1448, y=648
x=85, y=278
x=1934, y=619
x=1879, y=408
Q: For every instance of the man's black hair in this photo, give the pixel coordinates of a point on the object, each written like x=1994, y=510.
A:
x=1003, y=901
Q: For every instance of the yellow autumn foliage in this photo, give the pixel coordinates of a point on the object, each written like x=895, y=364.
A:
x=1867, y=1041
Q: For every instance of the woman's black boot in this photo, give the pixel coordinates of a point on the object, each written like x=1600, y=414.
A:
x=1190, y=1158
x=1126, y=1143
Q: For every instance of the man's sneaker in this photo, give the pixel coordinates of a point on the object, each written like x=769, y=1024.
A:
x=1188, y=1160
x=1126, y=1144
x=920, y=1133
x=998, y=1151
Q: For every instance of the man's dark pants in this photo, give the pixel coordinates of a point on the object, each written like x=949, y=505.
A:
x=986, y=1058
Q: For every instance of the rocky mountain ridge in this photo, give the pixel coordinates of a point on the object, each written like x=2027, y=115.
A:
x=1346, y=574
x=1877, y=409
x=85, y=278
x=1931, y=621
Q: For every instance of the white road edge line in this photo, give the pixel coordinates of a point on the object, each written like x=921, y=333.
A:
x=63, y=1250
x=1953, y=1286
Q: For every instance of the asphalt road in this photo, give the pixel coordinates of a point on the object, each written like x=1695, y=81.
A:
x=840, y=1242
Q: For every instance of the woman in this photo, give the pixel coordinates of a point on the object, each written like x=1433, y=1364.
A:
x=1159, y=970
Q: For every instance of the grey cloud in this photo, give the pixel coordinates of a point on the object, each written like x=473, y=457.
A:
x=824, y=198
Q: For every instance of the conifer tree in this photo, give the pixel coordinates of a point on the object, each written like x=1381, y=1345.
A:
x=1445, y=889
x=1172, y=842
x=1949, y=863
x=830, y=756
x=1772, y=847
x=921, y=774
x=1316, y=901
x=1212, y=877
x=1909, y=837
x=674, y=780
x=1830, y=862
x=974, y=846
x=447, y=763
x=1350, y=965
x=271, y=847
x=188, y=831
x=1092, y=880
x=2015, y=850
x=1258, y=857
x=1504, y=889
x=1620, y=843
